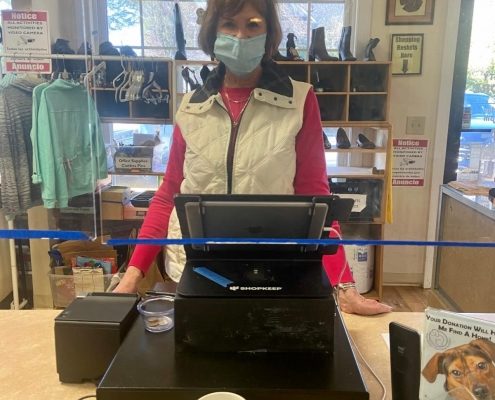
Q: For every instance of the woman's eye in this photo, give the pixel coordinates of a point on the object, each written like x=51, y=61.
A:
x=228, y=25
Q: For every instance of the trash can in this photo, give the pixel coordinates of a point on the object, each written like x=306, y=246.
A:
x=361, y=262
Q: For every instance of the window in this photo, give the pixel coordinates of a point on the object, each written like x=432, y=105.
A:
x=5, y=5
x=477, y=143
x=148, y=26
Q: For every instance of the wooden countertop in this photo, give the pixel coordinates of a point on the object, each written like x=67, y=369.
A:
x=28, y=369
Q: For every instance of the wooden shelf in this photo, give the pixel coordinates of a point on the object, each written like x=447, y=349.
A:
x=357, y=150
x=350, y=176
x=132, y=120
x=137, y=173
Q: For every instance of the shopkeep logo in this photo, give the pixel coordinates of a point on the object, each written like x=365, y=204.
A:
x=255, y=288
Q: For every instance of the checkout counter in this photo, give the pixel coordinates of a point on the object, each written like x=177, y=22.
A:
x=273, y=357
x=465, y=275
x=27, y=351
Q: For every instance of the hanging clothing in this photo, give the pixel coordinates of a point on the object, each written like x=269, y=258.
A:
x=38, y=90
x=68, y=143
x=17, y=192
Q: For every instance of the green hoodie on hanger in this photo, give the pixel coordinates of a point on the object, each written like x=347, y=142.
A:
x=69, y=143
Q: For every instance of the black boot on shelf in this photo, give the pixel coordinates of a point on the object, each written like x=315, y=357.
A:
x=317, y=49
x=292, y=53
x=180, y=54
x=342, y=139
x=326, y=142
x=364, y=142
x=279, y=57
x=345, y=45
x=368, y=52
x=203, y=73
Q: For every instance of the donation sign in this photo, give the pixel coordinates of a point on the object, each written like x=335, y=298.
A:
x=25, y=37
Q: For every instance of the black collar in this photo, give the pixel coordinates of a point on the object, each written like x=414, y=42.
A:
x=272, y=79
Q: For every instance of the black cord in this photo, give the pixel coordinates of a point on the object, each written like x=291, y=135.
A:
x=89, y=396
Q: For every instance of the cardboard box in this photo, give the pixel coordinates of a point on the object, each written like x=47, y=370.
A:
x=116, y=194
x=131, y=212
x=112, y=210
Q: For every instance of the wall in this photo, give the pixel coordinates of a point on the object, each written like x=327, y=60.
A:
x=422, y=95
x=64, y=17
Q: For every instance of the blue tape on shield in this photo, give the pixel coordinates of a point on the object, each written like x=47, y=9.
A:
x=213, y=276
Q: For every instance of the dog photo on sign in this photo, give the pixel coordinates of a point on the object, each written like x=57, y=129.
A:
x=458, y=357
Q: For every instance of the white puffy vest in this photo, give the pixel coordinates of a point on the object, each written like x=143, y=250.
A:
x=264, y=156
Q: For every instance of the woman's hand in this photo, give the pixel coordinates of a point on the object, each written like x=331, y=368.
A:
x=130, y=281
x=351, y=302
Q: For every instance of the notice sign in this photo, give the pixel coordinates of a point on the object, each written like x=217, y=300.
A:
x=26, y=34
x=409, y=162
x=407, y=54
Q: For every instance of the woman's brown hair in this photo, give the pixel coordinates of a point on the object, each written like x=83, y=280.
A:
x=217, y=8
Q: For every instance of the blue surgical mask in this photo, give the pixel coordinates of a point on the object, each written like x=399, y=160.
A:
x=241, y=56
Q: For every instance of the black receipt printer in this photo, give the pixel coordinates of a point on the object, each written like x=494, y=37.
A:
x=89, y=332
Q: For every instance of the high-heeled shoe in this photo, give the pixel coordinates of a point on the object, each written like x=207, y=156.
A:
x=317, y=49
x=279, y=57
x=342, y=139
x=364, y=142
x=192, y=84
x=292, y=53
x=326, y=142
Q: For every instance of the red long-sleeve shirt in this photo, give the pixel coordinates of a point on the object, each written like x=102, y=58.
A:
x=310, y=179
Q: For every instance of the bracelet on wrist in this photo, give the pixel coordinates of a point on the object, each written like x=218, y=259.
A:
x=346, y=285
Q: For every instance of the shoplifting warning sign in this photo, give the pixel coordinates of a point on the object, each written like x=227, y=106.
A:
x=26, y=36
x=409, y=162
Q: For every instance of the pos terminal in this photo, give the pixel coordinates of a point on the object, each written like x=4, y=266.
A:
x=254, y=311
x=255, y=297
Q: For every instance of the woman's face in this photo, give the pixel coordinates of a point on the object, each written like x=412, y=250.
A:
x=246, y=24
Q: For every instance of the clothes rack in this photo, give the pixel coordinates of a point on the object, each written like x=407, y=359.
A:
x=17, y=303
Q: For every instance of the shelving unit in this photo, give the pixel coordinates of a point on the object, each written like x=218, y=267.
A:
x=112, y=109
x=355, y=96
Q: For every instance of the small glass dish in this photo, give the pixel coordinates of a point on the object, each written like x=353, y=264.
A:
x=158, y=313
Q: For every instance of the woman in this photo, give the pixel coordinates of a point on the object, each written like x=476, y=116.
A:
x=249, y=129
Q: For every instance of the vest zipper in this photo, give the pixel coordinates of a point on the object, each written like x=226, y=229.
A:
x=234, y=130
x=230, y=154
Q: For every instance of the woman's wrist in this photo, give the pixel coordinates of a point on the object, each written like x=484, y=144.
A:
x=346, y=285
x=130, y=280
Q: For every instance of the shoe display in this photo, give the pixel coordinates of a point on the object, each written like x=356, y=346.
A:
x=345, y=45
x=326, y=142
x=279, y=57
x=191, y=82
x=342, y=139
x=204, y=72
x=317, y=49
x=292, y=53
x=368, y=52
x=364, y=142
x=180, y=40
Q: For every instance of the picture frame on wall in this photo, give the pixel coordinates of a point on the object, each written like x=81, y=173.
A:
x=410, y=12
x=407, y=53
